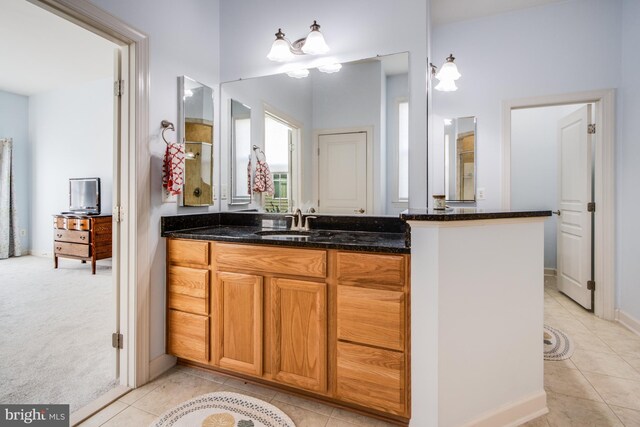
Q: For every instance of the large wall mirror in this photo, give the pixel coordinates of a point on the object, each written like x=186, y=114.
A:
x=460, y=159
x=334, y=139
x=195, y=131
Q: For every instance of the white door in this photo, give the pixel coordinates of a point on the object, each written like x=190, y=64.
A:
x=342, y=167
x=574, y=193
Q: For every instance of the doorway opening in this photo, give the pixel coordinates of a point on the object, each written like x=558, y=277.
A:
x=554, y=157
x=281, y=146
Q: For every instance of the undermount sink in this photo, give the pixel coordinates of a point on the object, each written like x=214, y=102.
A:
x=284, y=234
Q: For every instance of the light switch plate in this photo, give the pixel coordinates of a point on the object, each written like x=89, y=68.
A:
x=481, y=193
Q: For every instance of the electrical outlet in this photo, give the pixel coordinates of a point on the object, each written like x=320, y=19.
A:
x=168, y=198
x=223, y=191
x=23, y=232
x=481, y=193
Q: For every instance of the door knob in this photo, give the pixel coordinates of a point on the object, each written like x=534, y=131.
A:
x=360, y=211
x=557, y=212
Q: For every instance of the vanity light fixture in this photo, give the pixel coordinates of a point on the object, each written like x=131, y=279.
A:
x=314, y=44
x=447, y=75
x=330, y=68
x=299, y=73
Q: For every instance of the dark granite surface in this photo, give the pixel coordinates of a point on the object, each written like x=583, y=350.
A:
x=356, y=233
x=466, y=214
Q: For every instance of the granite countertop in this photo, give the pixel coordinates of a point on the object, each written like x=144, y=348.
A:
x=466, y=214
x=366, y=234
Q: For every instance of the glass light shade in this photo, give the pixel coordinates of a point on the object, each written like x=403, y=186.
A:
x=298, y=74
x=280, y=51
x=446, y=86
x=315, y=44
x=330, y=68
x=448, y=71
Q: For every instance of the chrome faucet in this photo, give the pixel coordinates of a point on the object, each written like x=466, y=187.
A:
x=297, y=220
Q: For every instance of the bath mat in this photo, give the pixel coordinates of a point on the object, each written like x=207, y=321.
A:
x=557, y=344
x=224, y=409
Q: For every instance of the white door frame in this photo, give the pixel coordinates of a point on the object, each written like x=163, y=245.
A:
x=134, y=180
x=368, y=130
x=604, y=185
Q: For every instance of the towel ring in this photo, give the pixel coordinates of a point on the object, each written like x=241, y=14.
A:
x=257, y=150
x=167, y=125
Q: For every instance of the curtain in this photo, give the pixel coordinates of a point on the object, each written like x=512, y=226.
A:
x=9, y=241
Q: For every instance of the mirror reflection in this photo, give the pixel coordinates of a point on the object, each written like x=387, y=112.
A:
x=240, y=130
x=460, y=159
x=335, y=142
x=196, y=133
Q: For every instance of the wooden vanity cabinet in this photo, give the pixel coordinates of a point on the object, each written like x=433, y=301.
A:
x=326, y=322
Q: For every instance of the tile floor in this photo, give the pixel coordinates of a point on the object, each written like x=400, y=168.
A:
x=599, y=386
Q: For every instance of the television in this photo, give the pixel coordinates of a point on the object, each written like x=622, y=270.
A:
x=84, y=196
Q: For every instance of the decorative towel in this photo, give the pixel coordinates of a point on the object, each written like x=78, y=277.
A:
x=173, y=168
x=263, y=181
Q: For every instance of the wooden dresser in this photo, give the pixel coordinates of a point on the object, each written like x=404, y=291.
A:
x=87, y=238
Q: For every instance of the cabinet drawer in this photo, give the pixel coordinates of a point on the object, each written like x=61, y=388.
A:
x=188, y=336
x=78, y=224
x=72, y=236
x=371, y=316
x=369, y=269
x=371, y=377
x=265, y=259
x=188, y=289
x=74, y=249
x=188, y=252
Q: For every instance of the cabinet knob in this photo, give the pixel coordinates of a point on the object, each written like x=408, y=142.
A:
x=360, y=211
x=83, y=237
x=58, y=248
x=59, y=236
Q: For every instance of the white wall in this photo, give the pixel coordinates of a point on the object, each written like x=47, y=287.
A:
x=71, y=136
x=534, y=166
x=628, y=172
x=563, y=47
x=14, y=123
x=183, y=40
x=355, y=29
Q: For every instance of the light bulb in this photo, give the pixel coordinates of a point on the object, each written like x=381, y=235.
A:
x=449, y=70
x=315, y=43
x=280, y=49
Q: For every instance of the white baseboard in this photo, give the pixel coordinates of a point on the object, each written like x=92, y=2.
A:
x=514, y=414
x=628, y=320
x=160, y=365
x=550, y=272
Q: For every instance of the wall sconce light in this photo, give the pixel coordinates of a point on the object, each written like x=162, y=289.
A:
x=313, y=44
x=447, y=75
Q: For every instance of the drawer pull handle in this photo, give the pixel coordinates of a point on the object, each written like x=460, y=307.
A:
x=58, y=248
x=59, y=235
x=83, y=237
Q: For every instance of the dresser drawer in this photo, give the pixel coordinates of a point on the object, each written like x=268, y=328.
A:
x=188, y=252
x=371, y=377
x=73, y=249
x=72, y=236
x=370, y=269
x=188, y=289
x=78, y=224
x=266, y=259
x=371, y=316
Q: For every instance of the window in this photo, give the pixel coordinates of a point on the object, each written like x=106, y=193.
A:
x=403, y=151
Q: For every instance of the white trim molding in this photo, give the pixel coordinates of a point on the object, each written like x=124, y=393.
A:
x=521, y=411
x=628, y=321
x=160, y=365
x=604, y=186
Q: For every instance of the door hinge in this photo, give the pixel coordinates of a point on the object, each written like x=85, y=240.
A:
x=318, y=151
x=117, y=340
x=118, y=213
x=591, y=285
x=591, y=207
x=118, y=87
x=591, y=129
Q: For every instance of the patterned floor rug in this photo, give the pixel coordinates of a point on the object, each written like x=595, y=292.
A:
x=224, y=409
x=557, y=344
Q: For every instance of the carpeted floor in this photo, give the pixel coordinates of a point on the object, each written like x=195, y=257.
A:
x=55, y=331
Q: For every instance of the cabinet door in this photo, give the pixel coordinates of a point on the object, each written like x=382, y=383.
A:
x=237, y=313
x=299, y=333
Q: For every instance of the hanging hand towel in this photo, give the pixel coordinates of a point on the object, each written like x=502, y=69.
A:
x=249, y=170
x=173, y=168
x=263, y=181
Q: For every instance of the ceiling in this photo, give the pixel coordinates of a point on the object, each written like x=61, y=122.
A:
x=42, y=52
x=448, y=11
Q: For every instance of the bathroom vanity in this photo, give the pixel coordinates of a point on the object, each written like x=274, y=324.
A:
x=325, y=313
